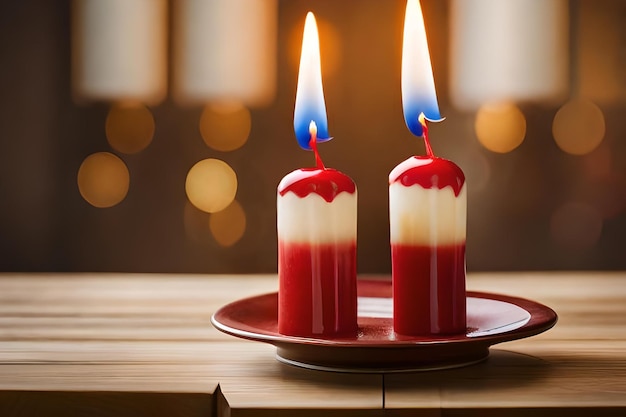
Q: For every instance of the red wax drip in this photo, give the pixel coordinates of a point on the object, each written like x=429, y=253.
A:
x=432, y=172
x=326, y=182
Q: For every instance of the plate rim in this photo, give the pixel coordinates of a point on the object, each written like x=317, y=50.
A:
x=534, y=326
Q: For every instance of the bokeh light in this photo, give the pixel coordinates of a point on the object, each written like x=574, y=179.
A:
x=225, y=126
x=129, y=127
x=576, y=225
x=228, y=225
x=103, y=179
x=578, y=127
x=500, y=127
x=211, y=185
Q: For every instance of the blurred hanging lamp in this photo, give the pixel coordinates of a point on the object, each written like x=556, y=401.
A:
x=225, y=51
x=119, y=55
x=224, y=59
x=119, y=50
x=508, y=51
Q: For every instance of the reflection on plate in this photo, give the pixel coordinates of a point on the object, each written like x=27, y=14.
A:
x=491, y=319
x=481, y=320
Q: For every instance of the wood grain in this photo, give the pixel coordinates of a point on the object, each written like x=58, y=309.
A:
x=108, y=341
x=142, y=344
x=578, y=367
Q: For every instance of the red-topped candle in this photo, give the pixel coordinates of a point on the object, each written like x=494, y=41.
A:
x=317, y=253
x=316, y=223
x=427, y=210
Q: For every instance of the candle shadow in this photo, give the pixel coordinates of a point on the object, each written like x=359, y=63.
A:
x=501, y=370
x=503, y=375
x=341, y=380
x=498, y=371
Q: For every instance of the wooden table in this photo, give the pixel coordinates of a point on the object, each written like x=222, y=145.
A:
x=134, y=345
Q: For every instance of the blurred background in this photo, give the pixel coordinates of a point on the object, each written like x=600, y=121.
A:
x=150, y=135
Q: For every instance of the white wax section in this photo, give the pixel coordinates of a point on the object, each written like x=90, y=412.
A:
x=314, y=220
x=427, y=216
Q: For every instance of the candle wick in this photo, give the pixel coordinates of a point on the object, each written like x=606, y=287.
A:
x=313, y=145
x=429, y=149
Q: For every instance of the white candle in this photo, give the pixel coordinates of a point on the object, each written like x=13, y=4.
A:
x=119, y=50
x=508, y=50
x=225, y=50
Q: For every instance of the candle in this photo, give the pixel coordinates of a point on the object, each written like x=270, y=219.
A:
x=215, y=60
x=427, y=209
x=316, y=222
x=119, y=50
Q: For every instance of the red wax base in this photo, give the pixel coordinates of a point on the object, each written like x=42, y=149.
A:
x=428, y=289
x=317, y=290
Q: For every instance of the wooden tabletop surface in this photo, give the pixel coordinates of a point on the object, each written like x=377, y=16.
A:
x=134, y=345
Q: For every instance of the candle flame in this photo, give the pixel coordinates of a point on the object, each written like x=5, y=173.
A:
x=313, y=128
x=310, y=107
x=418, y=85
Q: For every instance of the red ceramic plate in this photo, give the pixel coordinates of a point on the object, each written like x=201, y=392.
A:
x=491, y=319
